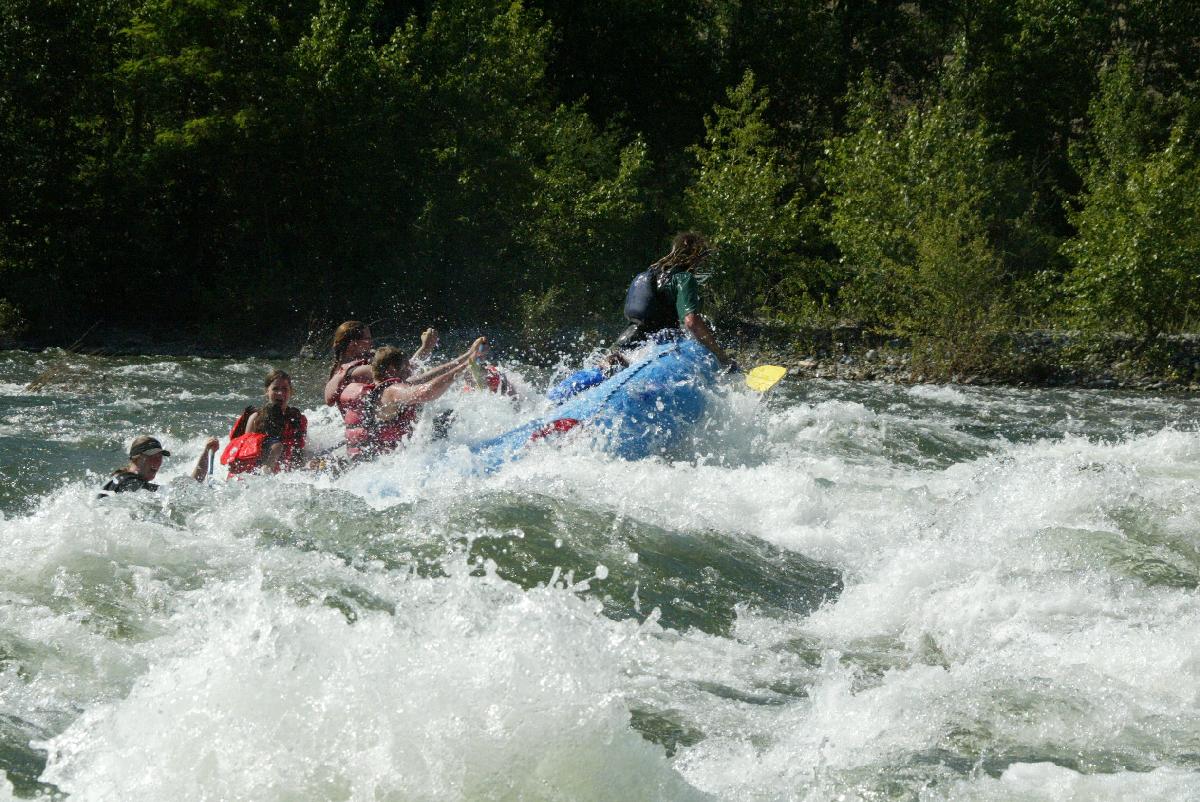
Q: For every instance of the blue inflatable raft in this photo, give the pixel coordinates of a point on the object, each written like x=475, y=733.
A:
x=645, y=409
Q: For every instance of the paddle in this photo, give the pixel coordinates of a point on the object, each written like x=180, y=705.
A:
x=764, y=377
x=477, y=374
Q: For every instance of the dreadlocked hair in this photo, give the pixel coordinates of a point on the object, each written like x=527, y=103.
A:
x=687, y=249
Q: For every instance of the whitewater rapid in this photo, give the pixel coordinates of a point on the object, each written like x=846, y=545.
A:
x=842, y=591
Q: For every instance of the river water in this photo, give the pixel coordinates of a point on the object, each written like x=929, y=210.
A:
x=841, y=591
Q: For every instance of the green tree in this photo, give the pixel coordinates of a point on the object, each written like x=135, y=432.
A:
x=521, y=196
x=202, y=91
x=1034, y=64
x=746, y=201
x=583, y=218
x=647, y=64
x=1136, y=258
x=57, y=120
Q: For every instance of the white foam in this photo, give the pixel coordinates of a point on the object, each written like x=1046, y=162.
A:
x=941, y=393
x=1046, y=782
x=468, y=680
x=242, y=368
x=156, y=370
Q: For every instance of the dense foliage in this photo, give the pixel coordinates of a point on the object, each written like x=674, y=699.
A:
x=242, y=168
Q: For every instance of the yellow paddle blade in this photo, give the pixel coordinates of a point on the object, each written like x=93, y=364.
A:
x=764, y=377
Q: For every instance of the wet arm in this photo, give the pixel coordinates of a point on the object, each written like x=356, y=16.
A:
x=436, y=373
x=331, y=390
x=478, y=348
x=699, y=329
x=200, y=472
x=272, y=459
x=429, y=341
x=399, y=396
x=360, y=374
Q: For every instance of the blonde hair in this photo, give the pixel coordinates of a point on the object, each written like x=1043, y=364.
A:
x=386, y=359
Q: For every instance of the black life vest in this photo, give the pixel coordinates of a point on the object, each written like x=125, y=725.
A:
x=649, y=302
x=127, y=481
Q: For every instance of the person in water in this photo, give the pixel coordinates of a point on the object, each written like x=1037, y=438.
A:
x=271, y=437
x=383, y=413
x=666, y=298
x=353, y=348
x=145, y=458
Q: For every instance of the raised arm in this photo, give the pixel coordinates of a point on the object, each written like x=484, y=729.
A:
x=429, y=341
x=200, y=472
x=477, y=349
x=398, y=396
x=405, y=394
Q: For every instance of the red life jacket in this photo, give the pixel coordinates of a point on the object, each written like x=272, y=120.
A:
x=497, y=382
x=295, y=437
x=352, y=403
x=345, y=383
x=245, y=449
x=367, y=437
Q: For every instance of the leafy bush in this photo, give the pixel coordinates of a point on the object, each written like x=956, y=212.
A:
x=519, y=194
x=924, y=212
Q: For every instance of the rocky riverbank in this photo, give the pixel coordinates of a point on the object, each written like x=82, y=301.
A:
x=1042, y=359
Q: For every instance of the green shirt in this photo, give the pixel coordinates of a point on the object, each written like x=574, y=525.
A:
x=686, y=291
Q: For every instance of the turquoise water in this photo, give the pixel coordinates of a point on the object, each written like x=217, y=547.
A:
x=853, y=591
